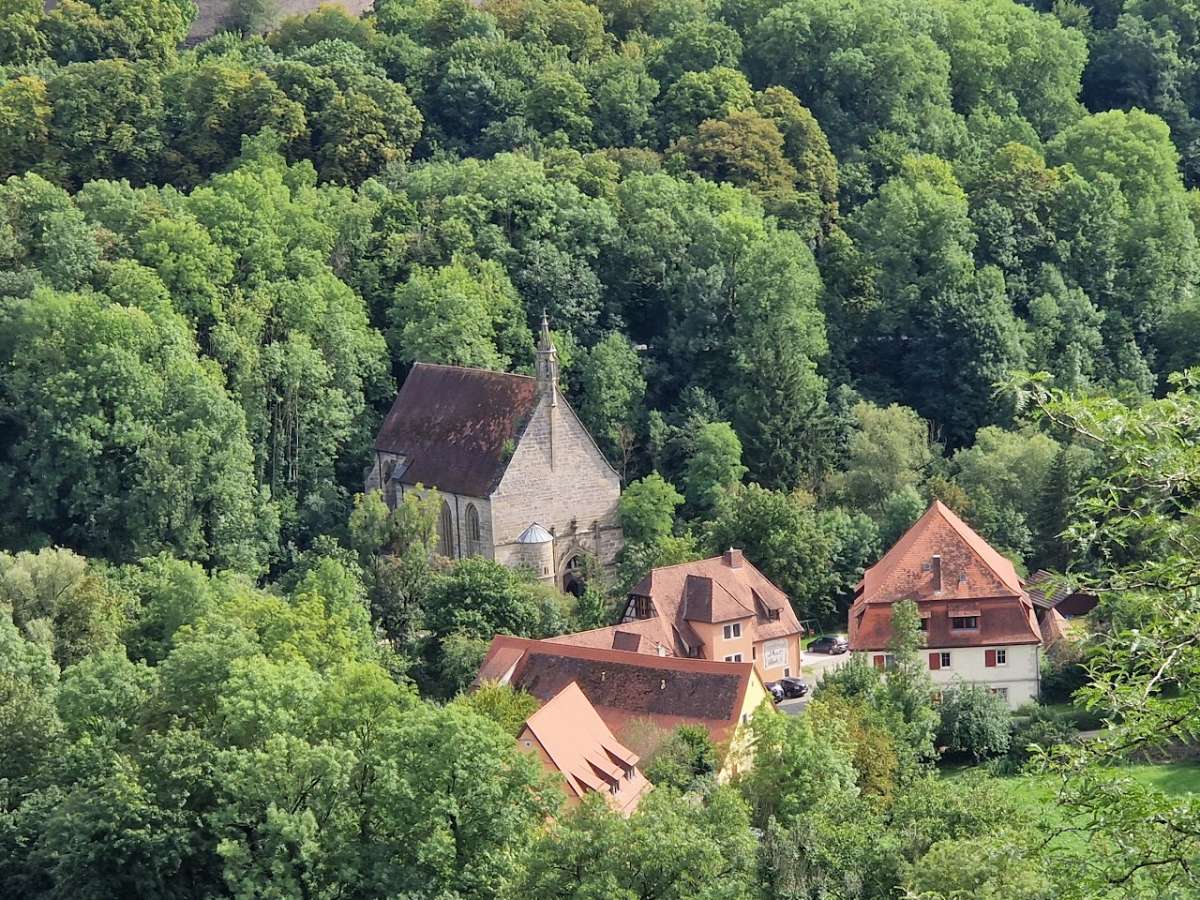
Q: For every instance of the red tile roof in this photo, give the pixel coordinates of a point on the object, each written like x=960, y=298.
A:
x=1053, y=626
x=642, y=636
x=970, y=567
x=457, y=426
x=950, y=571
x=1048, y=591
x=629, y=687
x=585, y=751
x=707, y=590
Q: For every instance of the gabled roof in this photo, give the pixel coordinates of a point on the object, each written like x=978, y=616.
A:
x=1053, y=627
x=585, y=751
x=950, y=571
x=706, y=600
x=724, y=588
x=969, y=567
x=457, y=426
x=626, y=687
x=1048, y=591
x=641, y=636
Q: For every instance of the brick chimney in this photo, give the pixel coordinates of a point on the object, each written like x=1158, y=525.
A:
x=734, y=558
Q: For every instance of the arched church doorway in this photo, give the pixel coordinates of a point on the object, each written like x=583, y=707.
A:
x=574, y=579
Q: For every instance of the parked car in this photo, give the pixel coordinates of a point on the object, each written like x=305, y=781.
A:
x=830, y=643
x=788, y=688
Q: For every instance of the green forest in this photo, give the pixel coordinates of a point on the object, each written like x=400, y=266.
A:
x=809, y=265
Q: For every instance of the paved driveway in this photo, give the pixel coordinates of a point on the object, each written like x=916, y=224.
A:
x=815, y=667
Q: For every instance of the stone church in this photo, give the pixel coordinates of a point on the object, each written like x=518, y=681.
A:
x=521, y=479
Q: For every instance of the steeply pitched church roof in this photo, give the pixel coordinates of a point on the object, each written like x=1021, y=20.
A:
x=457, y=426
x=969, y=567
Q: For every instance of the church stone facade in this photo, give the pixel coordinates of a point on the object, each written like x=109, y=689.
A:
x=520, y=478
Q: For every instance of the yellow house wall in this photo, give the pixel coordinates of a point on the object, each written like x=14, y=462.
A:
x=717, y=648
x=740, y=756
x=794, y=659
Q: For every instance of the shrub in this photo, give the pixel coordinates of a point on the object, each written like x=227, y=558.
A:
x=1042, y=726
x=686, y=755
x=974, y=721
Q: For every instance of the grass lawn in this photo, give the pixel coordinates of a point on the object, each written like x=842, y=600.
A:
x=1171, y=778
x=1036, y=794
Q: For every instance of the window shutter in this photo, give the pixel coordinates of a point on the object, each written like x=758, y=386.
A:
x=989, y=658
x=879, y=661
x=935, y=660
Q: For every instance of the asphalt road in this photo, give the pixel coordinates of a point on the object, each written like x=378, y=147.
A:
x=815, y=666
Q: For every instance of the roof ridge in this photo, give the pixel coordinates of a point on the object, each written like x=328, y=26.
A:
x=1001, y=568
x=690, y=563
x=431, y=365
x=970, y=535
x=624, y=657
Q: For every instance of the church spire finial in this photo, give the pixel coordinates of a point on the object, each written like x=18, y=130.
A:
x=547, y=364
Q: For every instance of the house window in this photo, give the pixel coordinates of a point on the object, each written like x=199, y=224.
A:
x=787, y=672
x=473, y=534
x=772, y=615
x=964, y=622
x=925, y=624
x=1002, y=692
x=936, y=697
x=945, y=660
x=641, y=607
x=733, y=631
x=446, y=531
x=1002, y=657
x=734, y=657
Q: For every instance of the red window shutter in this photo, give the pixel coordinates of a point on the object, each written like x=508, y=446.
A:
x=989, y=658
x=879, y=661
x=935, y=660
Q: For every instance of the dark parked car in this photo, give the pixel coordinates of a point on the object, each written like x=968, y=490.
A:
x=831, y=643
x=788, y=688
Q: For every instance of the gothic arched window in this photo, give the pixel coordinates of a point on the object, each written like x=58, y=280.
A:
x=473, y=534
x=446, y=531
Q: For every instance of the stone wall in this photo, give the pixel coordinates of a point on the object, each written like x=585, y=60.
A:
x=558, y=478
x=458, y=504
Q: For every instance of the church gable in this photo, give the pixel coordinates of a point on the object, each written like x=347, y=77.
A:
x=556, y=455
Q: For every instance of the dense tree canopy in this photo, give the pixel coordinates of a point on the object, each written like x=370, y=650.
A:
x=794, y=254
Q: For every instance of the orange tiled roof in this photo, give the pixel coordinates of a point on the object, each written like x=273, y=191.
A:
x=944, y=565
x=725, y=588
x=626, y=687
x=970, y=566
x=1053, y=627
x=585, y=751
